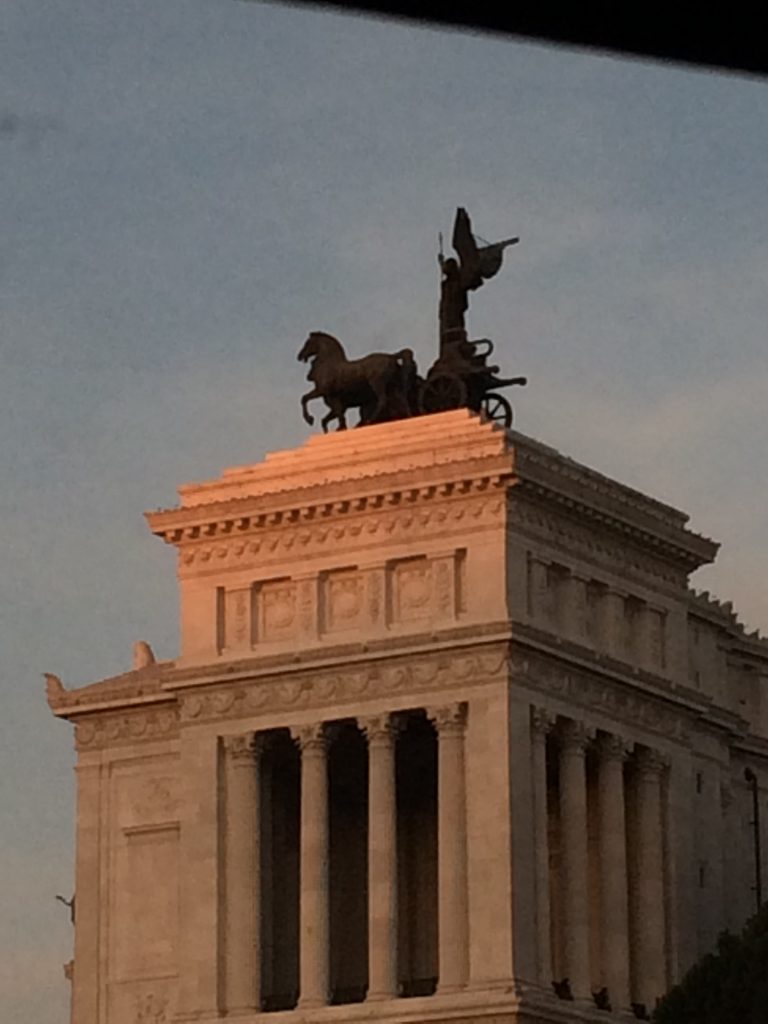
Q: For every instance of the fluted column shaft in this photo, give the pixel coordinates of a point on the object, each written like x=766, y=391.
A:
x=650, y=976
x=453, y=925
x=573, y=816
x=541, y=724
x=314, y=953
x=382, y=859
x=242, y=954
x=614, y=905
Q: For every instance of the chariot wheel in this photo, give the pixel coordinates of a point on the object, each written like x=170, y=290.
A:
x=497, y=409
x=443, y=392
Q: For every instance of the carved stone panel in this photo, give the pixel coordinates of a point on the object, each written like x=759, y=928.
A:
x=144, y=902
x=343, y=600
x=412, y=587
x=147, y=799
x=276, y=611
x=238, y=619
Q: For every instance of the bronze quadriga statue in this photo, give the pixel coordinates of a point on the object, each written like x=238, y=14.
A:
x=385, y=386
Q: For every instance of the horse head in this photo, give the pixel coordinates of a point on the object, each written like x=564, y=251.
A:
x=309, y=348
x=321, y=344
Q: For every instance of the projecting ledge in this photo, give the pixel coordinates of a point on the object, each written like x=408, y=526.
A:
x=503, y=1002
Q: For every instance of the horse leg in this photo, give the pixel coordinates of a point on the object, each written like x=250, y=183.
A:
x=305, y=399
x=378, y=386
x=336, y=412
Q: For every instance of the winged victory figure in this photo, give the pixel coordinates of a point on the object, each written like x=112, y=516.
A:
x=475, y=265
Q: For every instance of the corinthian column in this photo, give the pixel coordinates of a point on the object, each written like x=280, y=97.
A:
x=242, y=954
x=541, y=724
x=453, y=925
x=314, y=954
x=650, y=975
x=574, y=738
x=612, y=840
x=382, y=858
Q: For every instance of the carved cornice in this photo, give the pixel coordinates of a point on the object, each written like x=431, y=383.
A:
x=606, y=550
x=129, y=687
x=137, y=689
x=300, y=538
x=238, y=517
x=546, y=474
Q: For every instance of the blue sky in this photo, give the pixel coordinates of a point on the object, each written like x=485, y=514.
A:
x=188, y=188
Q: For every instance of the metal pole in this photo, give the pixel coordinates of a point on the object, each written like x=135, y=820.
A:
x=751, y=778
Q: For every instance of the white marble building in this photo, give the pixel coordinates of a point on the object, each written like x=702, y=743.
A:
x=449, y=737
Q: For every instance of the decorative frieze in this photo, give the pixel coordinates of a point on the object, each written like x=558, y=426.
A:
x=128, y=727
x=581, y=688
x=419, y=674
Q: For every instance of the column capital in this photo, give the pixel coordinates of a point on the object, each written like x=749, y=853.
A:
x=542, y=721
x=379, y=729
x=448, y=718
x=311, y=738
x=612, y=748
x=650, y=763
x=575, y=736
x=244, y=748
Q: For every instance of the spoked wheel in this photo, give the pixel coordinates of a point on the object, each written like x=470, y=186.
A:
x=443, y=392
x=497, y=409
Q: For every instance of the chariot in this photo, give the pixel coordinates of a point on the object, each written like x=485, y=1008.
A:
x=462, y=378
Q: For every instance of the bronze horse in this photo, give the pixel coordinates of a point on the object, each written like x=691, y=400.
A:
x=379, y=385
